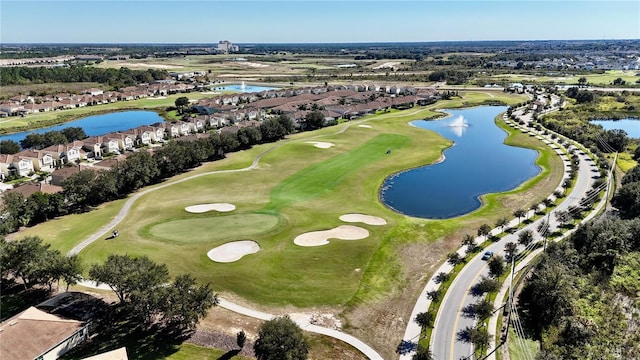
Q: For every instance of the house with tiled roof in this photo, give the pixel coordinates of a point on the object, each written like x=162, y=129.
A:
x=15, y=165
x=42, y=161
x=36, y=334
x=31, y=188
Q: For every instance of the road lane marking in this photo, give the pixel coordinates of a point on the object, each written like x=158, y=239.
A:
x=455, y=323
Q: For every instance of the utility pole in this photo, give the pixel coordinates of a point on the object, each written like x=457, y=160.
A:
x=510, y=297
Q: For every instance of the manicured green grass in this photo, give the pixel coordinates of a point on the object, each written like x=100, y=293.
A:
x=195, y=352
x=308, y=189
x=592, y=79
x=325, y=176
x=213, y=229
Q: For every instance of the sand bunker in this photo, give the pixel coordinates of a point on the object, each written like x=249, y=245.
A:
x=202, y=208
x=366, y=219
x=320, y=144
x=233, y=251
x=342, y=232
x=365, y=126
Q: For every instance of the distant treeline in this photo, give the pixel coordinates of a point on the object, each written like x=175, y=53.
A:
x=113, y=77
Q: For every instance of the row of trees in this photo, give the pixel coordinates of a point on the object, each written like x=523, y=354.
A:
x=598, y=264
x=20, y=75
x=145, y=291
x=31, y=262
x=40, y=141
x=89, y=187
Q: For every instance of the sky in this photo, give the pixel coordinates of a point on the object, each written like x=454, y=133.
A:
x=314, y=21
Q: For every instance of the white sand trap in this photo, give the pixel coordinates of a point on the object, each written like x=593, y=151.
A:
x=362, y=218
x=202, y=208
x=233, y=251
x=342, y=232
x=321, y=145
x=365, y=126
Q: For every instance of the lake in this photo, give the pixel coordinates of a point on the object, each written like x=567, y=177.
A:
x=98, y=124
x=478, y=163
x=630, y=126
x=244, y=88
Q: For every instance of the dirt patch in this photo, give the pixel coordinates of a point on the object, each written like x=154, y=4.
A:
x=221, y=341
x=383, y=323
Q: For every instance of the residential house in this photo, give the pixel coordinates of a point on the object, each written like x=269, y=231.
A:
x=15, y=165
x=42, y=161
x=59, y=175
x=31, y=188
x=36, y=334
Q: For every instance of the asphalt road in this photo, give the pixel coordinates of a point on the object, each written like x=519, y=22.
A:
x=450, y=319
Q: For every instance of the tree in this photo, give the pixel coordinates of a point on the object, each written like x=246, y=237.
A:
x=434, y=295
x=181, y=102
x=636, y=154
x=546, y=297
x=280, y=338
x=185, y=303
x=34, y=262
x=286, y=123
x=9, y=147
x=454, y=258
x=525, y=237
x=314, y=120
x=543, y=228
x=563, y=217
x=78, y=187
x=483, y=309
x=469, y=242
x=271, y=130
x=502, y=223
x=519, y=213
x=510, y=249
x=582, y=81
x=422, y=353
x=425, y=319
x=486, y=285
x=248, y=136
x=126, y=275
x=73, y=133
x=484, y=230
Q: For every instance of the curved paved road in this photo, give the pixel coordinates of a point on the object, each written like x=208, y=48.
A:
x=450, y=319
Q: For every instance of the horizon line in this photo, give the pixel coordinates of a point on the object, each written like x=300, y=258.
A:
x=312, y=43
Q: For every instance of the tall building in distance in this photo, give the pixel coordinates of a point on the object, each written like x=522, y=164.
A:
x=226, y=47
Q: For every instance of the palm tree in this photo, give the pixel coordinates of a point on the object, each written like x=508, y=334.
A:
x=470, y=242
x=484, y=230
x=535, y=208
x=525, y=237
x=520, y=213
x=502, y=222
x=425, y=319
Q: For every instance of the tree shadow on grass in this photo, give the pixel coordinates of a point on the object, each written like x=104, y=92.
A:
x=229, y=354
x=118, y=329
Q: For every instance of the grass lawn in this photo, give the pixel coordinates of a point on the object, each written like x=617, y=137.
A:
x=521, y=349
x=195, y=352
x=307, y=189
x=592, y=79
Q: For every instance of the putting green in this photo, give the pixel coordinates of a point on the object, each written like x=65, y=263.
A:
x=211, y=229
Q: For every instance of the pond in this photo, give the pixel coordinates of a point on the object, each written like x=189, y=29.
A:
x=478, y=163
x=244, y=88
x=630, y=126
x=98, y=124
